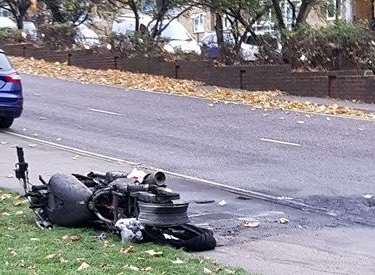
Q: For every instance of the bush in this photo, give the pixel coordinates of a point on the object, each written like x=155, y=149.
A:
x=58, y=36
x=10, y=36
x=135, y=44
x=337, y=46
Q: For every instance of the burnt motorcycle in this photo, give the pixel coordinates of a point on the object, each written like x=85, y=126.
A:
x=106, y=199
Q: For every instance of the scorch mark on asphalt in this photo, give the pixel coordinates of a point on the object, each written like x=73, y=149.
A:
x=104, y=112
x=280, y=142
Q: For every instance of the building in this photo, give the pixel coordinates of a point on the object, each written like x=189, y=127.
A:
x=198, y=22
x=347, y=10
x=201, y=21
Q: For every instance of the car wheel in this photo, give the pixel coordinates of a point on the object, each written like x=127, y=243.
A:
x=5, y=122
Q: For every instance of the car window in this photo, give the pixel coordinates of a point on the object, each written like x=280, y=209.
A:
x=4, y=63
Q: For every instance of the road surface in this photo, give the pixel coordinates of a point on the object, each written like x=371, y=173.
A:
x=284, y=154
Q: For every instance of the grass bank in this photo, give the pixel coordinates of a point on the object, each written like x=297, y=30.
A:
x=25, y=249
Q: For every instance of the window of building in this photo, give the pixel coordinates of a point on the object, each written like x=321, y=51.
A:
x=198, y=23
x=334, y=9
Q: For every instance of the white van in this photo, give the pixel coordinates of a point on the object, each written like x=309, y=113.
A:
x=175, y=34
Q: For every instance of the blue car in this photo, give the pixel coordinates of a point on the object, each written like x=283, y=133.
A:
x=11, y=99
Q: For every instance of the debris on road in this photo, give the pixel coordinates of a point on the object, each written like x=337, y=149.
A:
x=249, y=223
x=138, y=206
x=222, y=203
x=283, y=221
x=101, y=237
x=369, y=200
x=131, y=230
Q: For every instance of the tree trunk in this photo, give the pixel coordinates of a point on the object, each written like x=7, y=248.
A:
x=19, y=21
x=219, y=32
x=279, y=15
x=134, y=8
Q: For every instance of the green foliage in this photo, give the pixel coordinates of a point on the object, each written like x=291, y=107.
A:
x=339, y=44
x=68, y=11
x=135, y=44
x=57, y=35
x=10, y=36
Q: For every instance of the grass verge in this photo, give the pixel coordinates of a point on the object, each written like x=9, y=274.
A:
x=25, y=249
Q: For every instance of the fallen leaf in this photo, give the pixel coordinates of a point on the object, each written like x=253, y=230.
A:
x=75, y=238
x=50, y=256
x=177, y=261
x=83, y=266
x=19, y=202
x=206, y=271
x=62, y=260
x=127, y=249
x=154, y=253
x=132, y=267
x=5, y=197
x=72, y=238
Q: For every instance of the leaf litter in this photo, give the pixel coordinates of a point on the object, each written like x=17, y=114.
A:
x=140, y=81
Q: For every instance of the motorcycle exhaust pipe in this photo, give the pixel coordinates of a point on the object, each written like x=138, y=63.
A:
x=156, y=178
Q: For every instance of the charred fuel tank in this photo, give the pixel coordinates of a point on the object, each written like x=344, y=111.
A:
x=67, y=201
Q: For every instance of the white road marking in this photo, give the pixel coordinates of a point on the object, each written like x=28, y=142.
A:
x=235, y=190
x=280, y=142
x=232, y=189
x=104, y=112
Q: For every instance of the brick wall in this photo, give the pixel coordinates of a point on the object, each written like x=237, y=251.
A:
x=353, y=87
x=337, y=84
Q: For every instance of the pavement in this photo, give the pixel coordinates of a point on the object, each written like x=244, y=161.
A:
x=331, y=101
x=310, y=243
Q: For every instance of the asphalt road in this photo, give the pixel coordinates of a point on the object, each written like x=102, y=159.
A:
x=226, y=143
